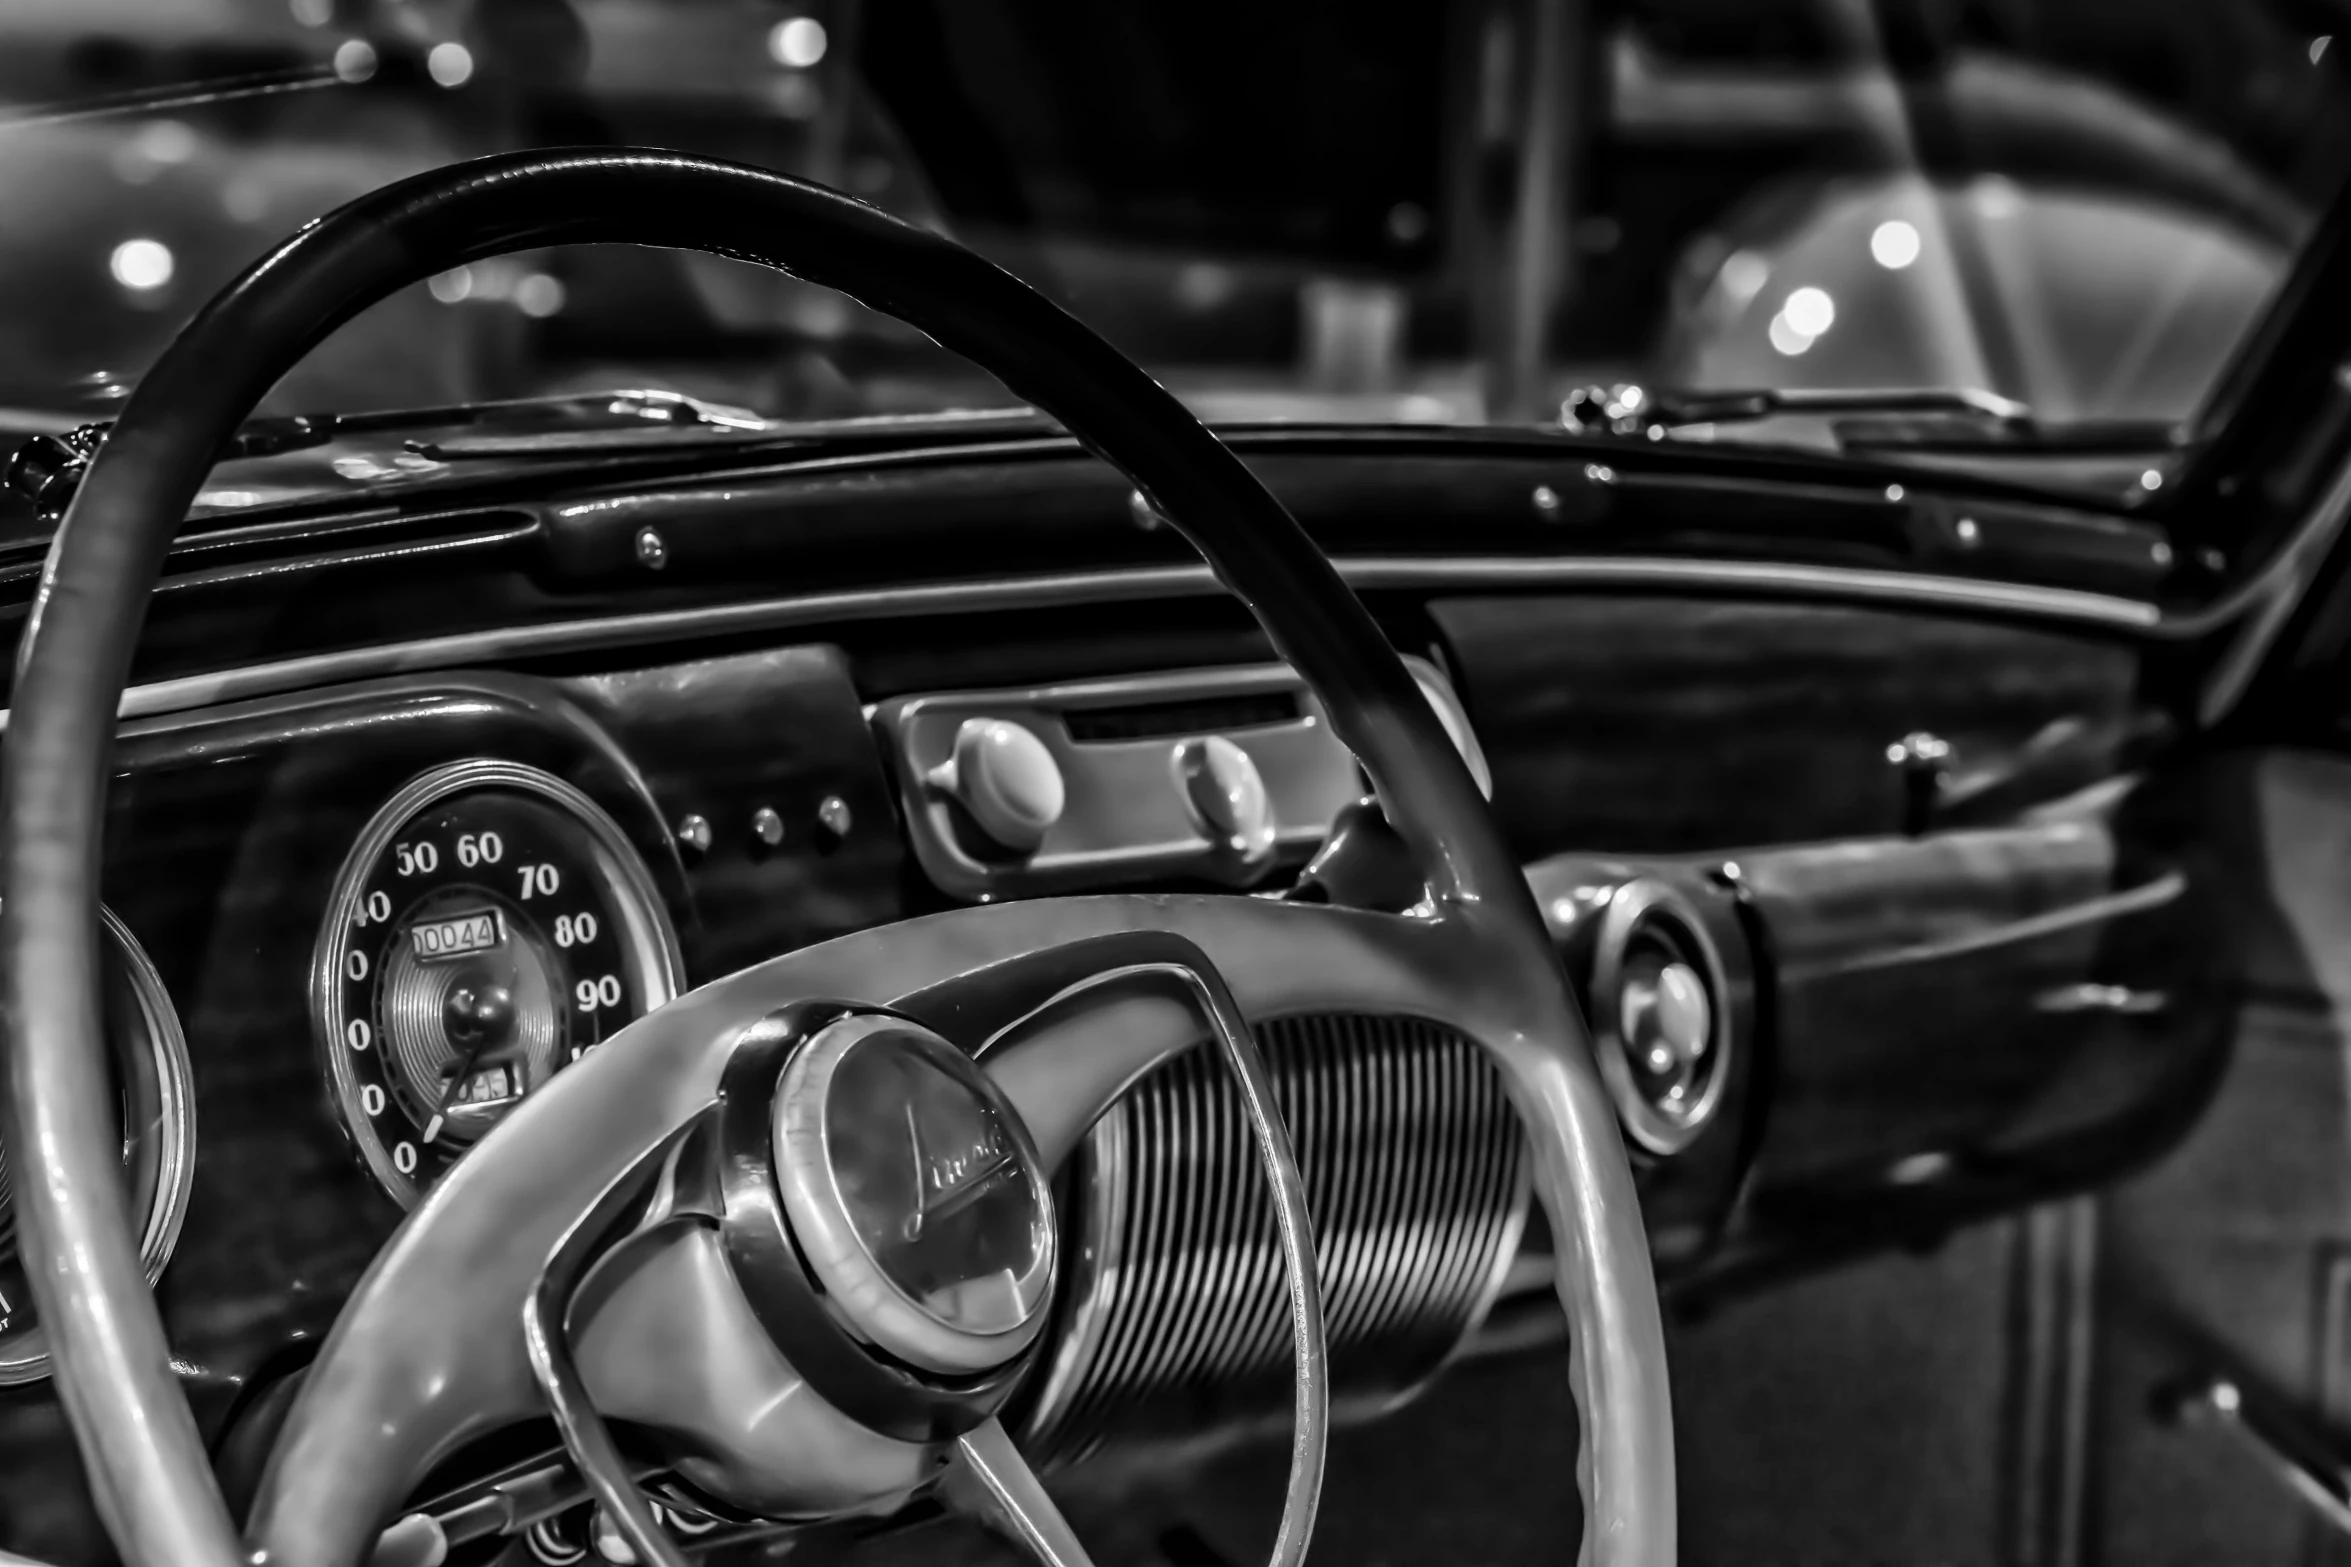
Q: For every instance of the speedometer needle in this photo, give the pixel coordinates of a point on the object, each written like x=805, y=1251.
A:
x=465, y=1065
x=487, y=1015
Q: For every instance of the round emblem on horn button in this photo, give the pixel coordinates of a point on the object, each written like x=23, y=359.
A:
x=915, y=1194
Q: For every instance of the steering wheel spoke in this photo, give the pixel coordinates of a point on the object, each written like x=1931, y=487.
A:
x=992, y=1482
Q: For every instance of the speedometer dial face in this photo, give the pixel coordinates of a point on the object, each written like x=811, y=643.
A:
x=491, y=927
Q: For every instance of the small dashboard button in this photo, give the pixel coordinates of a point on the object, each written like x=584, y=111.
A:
x=1227, y=798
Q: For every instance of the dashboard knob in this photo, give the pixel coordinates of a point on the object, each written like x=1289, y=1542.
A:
x=1006, y=778
x=1226, y=796
x=1668, y=1025
x=1661, y=1023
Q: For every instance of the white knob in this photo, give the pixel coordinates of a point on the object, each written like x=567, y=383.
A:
x=1006, y=778
x=1227, y=796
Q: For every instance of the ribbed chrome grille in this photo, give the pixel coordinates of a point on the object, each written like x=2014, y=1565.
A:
x=1173, y=1309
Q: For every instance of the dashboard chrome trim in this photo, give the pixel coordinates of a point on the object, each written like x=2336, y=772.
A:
x=1126, y=815
x=1047, y=590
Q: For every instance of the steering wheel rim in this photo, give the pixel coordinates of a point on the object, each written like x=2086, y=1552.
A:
x=146, y=1463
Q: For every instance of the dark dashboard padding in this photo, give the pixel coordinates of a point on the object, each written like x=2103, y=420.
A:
x=1645, y=724
x=1973, y=1019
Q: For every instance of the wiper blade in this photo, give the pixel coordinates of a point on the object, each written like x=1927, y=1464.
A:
x=1949, y=418
x=45, y=469
x=582, y=412
x=590, y=442
x=1628, y=410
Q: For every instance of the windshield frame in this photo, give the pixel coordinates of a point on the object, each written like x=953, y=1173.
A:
x=2273, y=435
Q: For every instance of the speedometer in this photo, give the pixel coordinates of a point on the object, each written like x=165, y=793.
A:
x=491, y=926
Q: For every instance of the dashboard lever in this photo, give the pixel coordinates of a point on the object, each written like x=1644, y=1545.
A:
x=2109, y=1000
x=1363, y=864
x=1923, y=763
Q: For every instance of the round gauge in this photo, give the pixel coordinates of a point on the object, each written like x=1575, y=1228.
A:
x=491, y=926
x=148, y=1061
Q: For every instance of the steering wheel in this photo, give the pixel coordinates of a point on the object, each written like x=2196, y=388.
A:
x=796, y=1224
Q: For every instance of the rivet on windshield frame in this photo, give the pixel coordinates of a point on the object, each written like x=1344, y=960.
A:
x=1546, y=503
x=767, y=826
x=832, y=815
x=1146, y=516
x=1599, y=473
x=2160, y=553
x=652, y=549
x=694, y=833
x=1894, y=493
x=1968, y=532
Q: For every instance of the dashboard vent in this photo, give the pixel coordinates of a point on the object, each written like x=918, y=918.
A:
x=1170, y=720
x=1174, y=1312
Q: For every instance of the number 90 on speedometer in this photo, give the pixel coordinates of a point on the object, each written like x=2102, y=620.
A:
x=491, y=926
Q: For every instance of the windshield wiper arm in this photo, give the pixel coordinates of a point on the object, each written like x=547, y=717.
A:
x=607, y=440
x=1956, y=418
x=1676, y=410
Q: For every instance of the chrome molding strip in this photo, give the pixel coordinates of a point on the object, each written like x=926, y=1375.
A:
x=2053, y=1283
x=1146, y=582
x=2098, y=910
x=1841, y=582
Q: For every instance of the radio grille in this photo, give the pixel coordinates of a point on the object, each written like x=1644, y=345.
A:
x=1174, y=1311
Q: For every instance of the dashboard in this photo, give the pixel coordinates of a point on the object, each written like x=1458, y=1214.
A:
x=364, y=902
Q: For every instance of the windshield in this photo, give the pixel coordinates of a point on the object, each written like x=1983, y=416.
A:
x=1286, y=208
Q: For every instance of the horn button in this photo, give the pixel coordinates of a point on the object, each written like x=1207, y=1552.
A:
x=914, y=1195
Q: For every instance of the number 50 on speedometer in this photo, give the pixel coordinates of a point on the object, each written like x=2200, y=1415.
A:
x=490, y=927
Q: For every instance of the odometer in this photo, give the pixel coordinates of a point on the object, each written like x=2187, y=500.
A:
x=490, y=927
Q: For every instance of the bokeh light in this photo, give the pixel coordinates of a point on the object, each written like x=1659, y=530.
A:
x=141, y=264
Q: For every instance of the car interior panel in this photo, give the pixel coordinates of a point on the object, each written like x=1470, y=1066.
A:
x=859, y=781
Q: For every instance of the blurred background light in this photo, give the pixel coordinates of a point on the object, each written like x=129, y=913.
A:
x=798, y=42
x=1893, y=244
x=141, y=264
